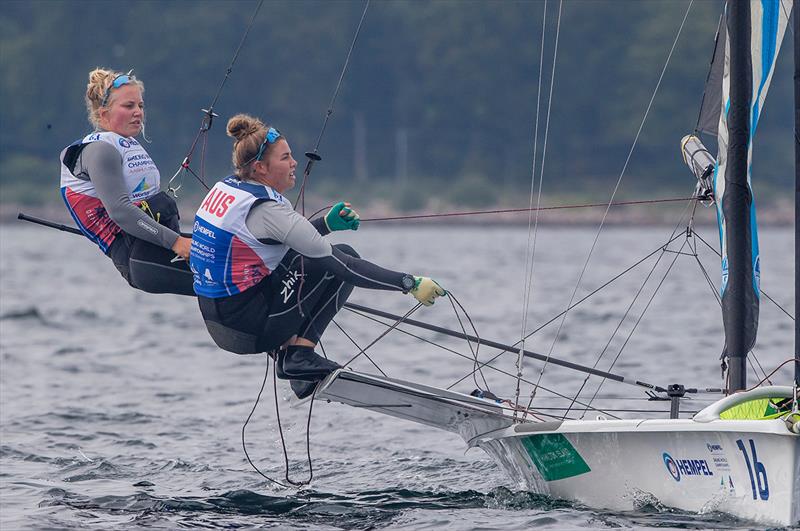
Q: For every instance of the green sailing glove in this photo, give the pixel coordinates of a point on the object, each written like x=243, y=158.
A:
x=342, y=217
x=426, y=290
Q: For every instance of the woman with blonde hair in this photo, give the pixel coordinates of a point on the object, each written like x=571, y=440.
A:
x=264, y=275
x=111, y=188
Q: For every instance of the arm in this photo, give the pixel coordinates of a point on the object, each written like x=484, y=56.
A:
x=102, y=164
x=319, y=224
x=272, y=222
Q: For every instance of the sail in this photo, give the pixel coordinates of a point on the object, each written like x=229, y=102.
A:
x=752, y=38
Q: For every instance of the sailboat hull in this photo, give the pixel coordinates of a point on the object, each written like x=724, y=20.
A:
x=750, y=469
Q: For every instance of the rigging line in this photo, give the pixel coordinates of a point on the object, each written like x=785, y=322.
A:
x=313, y=156
x=244, y=427
x=616, y=188
x=594, y=292
x=501, y=371
x=283, y=440
x=790, y=360
x=453, y=302
x=382, y=335
x=208, y=115
x=636, y=324
x=664, y=250
x=773, y=301
x=517, y=210
x=353, y=341
x=719, y=302
x=622, y=320
x=528, y=280
x=629, y=380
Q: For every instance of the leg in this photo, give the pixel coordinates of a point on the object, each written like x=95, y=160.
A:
x=304, y=309
x=154, y=270
x=331, y=301
x=308, y=314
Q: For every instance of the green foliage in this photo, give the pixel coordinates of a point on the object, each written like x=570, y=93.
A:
x=461, y=76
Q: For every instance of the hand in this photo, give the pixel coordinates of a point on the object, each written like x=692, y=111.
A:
x=425, y=290
x=342, y=217
x=182, y=247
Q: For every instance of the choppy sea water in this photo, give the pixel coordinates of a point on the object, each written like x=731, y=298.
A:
x=116, y=409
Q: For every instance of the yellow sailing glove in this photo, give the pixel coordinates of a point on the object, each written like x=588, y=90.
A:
x=342, y=217
x=426, y=290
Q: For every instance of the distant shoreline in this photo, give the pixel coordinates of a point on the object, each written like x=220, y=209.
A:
x=778, y=215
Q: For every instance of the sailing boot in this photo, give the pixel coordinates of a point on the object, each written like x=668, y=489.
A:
x=303, y=389
x=302, y=363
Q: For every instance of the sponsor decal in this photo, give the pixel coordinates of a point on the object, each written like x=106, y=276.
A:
x=554, y=456
x=288, y=285
x=93, y=137
x=672, y=468
x=679, y=468
x=204, y=230
x=124, y=143
x=149, y=228
x=714, y=447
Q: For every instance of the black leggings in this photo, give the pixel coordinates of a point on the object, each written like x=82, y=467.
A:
x=274, y=312
x=149, y=267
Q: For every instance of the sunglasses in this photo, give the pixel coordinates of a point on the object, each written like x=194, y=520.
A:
x=122, y=79
x=272, y=136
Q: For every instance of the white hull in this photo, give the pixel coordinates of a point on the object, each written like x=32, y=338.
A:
x=750, y=469
x=747, y=468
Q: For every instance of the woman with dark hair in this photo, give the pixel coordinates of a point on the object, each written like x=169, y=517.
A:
x=266, y=279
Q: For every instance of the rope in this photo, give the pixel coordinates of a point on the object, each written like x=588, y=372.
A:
x=636, y=324
x=244, y=427
x=382, y=335
x=515, y=210
x=614, y=193
x=672, y=237
x=208, y=119
x=790, y=360
x=594, y=292
x=487, y=364
x=313, y=155
x=773, y=301
x=529, y=254
x=453, y=302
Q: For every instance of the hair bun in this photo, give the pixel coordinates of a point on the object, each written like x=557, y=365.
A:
x=243, y=125
x=98, y=76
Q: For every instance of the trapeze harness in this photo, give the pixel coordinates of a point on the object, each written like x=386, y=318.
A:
x=249, y=285
x=143, y=260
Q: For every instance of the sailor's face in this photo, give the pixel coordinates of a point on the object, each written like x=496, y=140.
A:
x=280, y=166
x=124, y=114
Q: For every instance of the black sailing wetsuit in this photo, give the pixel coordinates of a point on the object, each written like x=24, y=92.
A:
x=310, y=285
x=142, y=251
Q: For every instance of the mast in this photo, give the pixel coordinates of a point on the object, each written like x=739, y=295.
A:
x=796, y=24
x=736, y=203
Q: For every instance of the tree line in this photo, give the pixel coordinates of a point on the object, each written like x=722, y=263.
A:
x=439, y=94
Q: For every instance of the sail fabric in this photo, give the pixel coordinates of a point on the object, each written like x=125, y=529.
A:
x=736, y=212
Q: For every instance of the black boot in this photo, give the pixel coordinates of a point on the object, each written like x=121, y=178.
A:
x=302, y=389
x=302, y=363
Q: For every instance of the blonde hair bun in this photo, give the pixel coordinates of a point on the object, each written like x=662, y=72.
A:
x=243, y=125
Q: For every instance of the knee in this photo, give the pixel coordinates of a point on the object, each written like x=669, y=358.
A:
x=346, y=249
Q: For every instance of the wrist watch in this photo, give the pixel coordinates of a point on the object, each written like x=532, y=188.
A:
x=408, y=283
